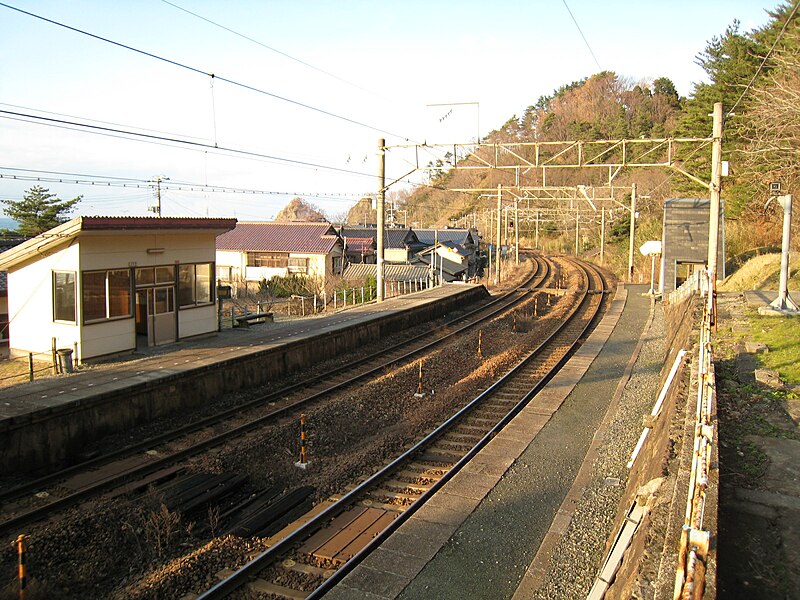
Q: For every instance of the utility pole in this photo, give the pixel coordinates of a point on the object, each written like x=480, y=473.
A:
x=602, y=234
x=157, y=208
x=381, y=200
x=499, y=231
x=516, y=230
x=716, y=188
x=577, y=229
x=632, y=233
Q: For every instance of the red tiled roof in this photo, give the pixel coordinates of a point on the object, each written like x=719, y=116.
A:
x=361, y=245
x=102, y=223
x=317, y=238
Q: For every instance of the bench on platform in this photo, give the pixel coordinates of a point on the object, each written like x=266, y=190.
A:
x=261, y=317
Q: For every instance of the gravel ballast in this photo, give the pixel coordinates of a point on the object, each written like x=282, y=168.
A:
x=489, y=554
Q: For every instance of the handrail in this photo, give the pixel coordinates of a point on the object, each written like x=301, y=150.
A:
x=694, y=541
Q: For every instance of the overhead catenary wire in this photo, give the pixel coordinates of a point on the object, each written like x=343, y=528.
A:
x=270, y=48
x=176, y=140
x=585, y=41
x=111, y=123
x=766, y=57
x=207, y=74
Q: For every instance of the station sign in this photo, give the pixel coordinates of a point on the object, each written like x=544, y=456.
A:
x=651, y=247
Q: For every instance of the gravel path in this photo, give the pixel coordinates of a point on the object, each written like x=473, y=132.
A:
x=490, y=552
x=577, y=557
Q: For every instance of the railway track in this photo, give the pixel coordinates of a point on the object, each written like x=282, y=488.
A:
x=132, y=468
x=328, y=542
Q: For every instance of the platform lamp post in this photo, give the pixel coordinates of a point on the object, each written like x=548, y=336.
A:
x=783, y=304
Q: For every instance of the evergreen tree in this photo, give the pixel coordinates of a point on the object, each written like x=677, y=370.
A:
x=39, y=210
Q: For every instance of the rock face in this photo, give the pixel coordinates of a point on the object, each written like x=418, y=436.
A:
x=300, y=210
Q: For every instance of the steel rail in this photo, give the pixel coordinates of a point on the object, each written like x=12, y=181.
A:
x=499, y=305
x=239, y=577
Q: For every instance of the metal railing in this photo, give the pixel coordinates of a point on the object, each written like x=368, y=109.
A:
x=694, y=541
x=697, y=282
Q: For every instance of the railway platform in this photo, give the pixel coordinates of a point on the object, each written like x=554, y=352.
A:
x=493, y=530
x=45, y=421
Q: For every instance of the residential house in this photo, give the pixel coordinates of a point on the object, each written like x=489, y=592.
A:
x=466, y=240
x=359, y=273
x=446, y=260
x=360, y=250
x=257, y=251
x=107, y=285
x=399, y=245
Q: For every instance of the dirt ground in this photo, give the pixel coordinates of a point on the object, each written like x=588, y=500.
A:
x=759, y=430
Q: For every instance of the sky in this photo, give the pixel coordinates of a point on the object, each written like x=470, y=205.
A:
x=302, y=90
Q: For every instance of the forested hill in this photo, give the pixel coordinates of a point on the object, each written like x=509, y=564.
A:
x=755, y=74
x=601, y=107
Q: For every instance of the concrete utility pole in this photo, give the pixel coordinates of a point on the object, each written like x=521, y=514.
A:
x=157, y=208
x=577, y=230
x=516, y=230
x=381, y=201
x=499, y=232
x=602, y=234
x=716, y=188
x=632, y=233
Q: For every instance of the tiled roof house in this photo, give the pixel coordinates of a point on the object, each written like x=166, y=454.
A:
x=256, y=251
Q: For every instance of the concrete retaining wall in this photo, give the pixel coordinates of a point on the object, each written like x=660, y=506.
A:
x=47, y=438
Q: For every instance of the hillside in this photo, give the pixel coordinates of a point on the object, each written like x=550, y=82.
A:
x=762, y=273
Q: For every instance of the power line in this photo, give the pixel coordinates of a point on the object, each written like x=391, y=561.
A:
x=766, y=57
x=206, y=74
x=57, y=114
x=129, y=182
x=270, y=48
x=585, y=41
x=175, y=140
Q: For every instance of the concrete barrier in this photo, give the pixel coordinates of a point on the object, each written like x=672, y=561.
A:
x=56, y=435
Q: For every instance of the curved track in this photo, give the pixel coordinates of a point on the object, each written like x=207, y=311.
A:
x=311, y=559
x=115, y=469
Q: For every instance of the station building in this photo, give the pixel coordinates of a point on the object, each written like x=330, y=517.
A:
x=107, y=285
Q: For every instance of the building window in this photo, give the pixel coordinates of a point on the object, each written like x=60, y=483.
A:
x=146, y=276
x=194, y=285
x=64, y=296
x=298, y=265
x=271, y=260
x=106, y=294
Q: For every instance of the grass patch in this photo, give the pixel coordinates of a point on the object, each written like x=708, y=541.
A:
x=782, y=337
x=17, y=370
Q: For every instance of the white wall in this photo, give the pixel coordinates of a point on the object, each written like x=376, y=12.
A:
x=30, y=304
x=235, y=259
x=122, y=248
x=197, y=321
x=30, y=290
